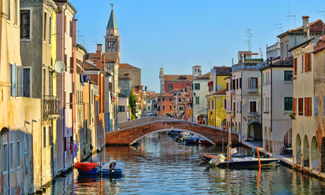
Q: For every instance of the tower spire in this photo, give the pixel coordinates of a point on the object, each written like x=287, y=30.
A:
x=112, y=21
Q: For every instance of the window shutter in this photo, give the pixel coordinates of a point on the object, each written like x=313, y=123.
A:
x=309, y=61
x=21, y=81
x=249, y=82
x=323, y=106
x=256, y=80
x=295, y=66
x=14, y=80
x=316, y=105
x=294, y=106
x=306, y=62
x=305, y=107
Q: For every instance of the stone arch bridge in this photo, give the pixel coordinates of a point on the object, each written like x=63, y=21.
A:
x=131, y=131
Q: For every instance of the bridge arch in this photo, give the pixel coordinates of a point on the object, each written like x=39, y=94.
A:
x=133, y=131
x=164, y=130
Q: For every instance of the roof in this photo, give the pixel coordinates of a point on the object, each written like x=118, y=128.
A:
x=320, y=45
x=112, y=21
x=178, y=78
x=127, y=66
x=222, y=70
x=205, y=76
x=90, y=65
x=317, y=26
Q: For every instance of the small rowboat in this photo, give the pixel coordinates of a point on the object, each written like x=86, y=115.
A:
x=114, y=168
x=208, y=156
x=87, y=168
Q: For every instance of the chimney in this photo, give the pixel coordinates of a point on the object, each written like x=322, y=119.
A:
x=100, y=47
x=305, y=20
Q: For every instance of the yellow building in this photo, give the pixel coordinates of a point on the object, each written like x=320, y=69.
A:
x=217, y=96
x=18, y=117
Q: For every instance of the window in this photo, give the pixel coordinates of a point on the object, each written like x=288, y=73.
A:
x=163, y=107
x=307, y=62
x=8, y=10
x=44, y=27
x=287, y=75
x=233, y=84
x=71, y=28
x=301, y=106
x=212, y=103
x=25, y=24
x=13, y=80
x=50, y=30
x=240, y=81
x=181, y=108
x=237, y=83
x=252, y=83
x=11, y=157
x=163, y=99
x=170, y=99
x=18, y=154
x=170, y=107
x=50, y=136
x=44, y=136
x=50, y=83
x=225, y=104
x=170, y=87
x=4, y=158
x=197, y=100
x=197, y=86
x=316, y=106
x=308, y=106
x=302, y=63
x=295, y=66
x=122, y=108
x=234, y=106
x=287, y=103
x=252, y=106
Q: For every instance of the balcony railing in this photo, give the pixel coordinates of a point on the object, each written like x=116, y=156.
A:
x=253, y=115
x=252, y=90
x=50, y=107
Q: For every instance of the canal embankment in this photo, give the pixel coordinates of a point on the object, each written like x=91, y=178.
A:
x=288, y=161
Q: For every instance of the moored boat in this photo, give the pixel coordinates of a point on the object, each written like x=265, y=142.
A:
x=87, y=168
x=113, y=168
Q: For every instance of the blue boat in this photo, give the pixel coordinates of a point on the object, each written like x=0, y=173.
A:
x=114, y=168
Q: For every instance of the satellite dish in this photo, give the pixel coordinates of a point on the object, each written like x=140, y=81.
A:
x=59, y=66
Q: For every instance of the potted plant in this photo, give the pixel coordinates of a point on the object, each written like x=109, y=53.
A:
x=292, y=116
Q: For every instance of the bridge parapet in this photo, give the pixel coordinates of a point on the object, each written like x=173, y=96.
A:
x=138, y=129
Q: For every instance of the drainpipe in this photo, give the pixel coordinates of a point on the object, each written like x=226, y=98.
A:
x=271, y=110
x=262, y=103
x=241, y=102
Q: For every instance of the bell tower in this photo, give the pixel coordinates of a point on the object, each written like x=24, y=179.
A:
x=112, y=38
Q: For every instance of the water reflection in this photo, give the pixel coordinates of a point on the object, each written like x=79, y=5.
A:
x=158, y=165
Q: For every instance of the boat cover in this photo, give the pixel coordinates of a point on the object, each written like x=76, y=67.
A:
x=85, y=166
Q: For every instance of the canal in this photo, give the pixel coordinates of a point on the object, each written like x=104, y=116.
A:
x=159, y=165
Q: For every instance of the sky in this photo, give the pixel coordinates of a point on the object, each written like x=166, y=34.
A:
x=178, y=34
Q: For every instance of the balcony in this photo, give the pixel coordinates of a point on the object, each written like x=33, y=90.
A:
x=254, y=116
x=252, y=90
x=50, y=107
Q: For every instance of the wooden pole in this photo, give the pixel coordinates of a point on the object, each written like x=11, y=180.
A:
x=258, y=156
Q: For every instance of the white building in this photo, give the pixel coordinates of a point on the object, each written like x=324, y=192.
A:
x=200, y=91
x=246, y=96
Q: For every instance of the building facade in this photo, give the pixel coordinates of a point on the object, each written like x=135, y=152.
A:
x=200, y=91
x=246, y=96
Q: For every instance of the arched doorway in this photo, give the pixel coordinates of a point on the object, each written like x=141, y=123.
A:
x=306, y=152
x=255, y=131
x=314, y=154
x=4, y=145
x=288, y=139
x=298, y=149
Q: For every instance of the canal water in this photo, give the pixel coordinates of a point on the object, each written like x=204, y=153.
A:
x=159, y=165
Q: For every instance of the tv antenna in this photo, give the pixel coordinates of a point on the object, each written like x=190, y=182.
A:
x=249, y=38
x=279, y=26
